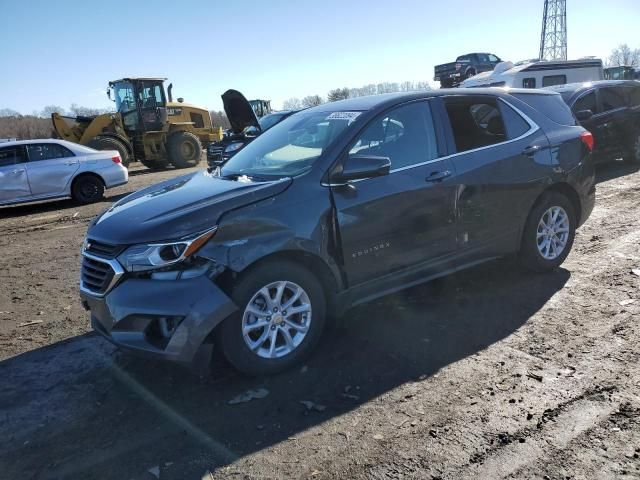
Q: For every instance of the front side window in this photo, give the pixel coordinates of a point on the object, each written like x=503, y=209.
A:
x=151, y=96
x=46, y=151
x=612, y=98
x=124, y=98
x=10, y=156
x=405, y=135
x=550, y=80
x=586, y=102
x=475, y=122
x=291, y=147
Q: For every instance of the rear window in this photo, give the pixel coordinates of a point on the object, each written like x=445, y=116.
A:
x=551, y=106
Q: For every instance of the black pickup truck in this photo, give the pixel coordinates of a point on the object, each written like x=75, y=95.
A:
x=453, y=73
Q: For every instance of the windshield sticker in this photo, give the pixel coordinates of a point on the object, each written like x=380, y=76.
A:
x=349, y=116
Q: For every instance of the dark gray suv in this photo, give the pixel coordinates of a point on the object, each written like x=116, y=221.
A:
x=332, y=207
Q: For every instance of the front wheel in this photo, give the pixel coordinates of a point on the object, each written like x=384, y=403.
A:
x=549, y=233
x=184, y=149
x=633, y=155
x=282, y=316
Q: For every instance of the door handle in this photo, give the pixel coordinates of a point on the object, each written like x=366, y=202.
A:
x=69, y=163
x=531, y=150
x=438, y=176
x=13, y=172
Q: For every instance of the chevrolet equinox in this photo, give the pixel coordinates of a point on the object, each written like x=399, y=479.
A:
x=332, y=207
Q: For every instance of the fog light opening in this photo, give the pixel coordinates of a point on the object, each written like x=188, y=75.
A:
x=168, y=325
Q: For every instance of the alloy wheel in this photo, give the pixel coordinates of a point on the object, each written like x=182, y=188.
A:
x=276, y=320
x=553, y=233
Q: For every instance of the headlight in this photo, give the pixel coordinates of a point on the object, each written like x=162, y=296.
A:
x=233, y=147
x=152, y=256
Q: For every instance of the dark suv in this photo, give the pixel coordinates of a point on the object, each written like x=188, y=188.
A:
x=245, y=127
x=332, y=207
x=610, y=110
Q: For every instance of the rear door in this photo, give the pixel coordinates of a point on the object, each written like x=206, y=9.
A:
x=14, y=183
x=50, y=168
x=612, y=119
x=500, y=158
x=405, y=219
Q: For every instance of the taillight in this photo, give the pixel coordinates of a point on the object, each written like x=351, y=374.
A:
x=116, y=159
x=587, y=139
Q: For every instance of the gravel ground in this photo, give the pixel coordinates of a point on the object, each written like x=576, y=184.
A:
x=490, y=373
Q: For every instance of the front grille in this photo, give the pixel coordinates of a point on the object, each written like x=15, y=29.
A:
x=102, y=249
x=96, y=276
x=215, y=152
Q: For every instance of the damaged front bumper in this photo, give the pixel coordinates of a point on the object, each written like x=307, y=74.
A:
x=164, y=319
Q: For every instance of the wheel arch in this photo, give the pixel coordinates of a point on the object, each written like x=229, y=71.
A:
x=329, y=280
x=564, y=189
x=81, y=174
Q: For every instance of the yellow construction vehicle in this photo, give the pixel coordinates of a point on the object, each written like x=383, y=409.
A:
x=145, y=126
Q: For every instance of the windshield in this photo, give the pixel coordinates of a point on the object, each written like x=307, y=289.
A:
x=123, y=95
x=291, y=147
x=270, y=120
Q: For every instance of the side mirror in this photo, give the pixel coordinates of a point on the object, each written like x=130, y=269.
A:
x=251, y=131
x=180, y=99
x=362, y=166
x=584, y=115
x=109, y=93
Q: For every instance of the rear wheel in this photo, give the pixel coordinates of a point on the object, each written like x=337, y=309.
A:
x=470, y=73
x=549, y=233
x=109, y=143
x=633, y=154
x=281, y=318
x=184, y=149
x=87, y=189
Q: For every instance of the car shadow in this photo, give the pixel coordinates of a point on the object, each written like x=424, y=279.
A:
x=13, y=211
x=109, y=415
x=610, y=170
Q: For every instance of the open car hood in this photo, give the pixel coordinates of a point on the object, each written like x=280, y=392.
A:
x=239, y=111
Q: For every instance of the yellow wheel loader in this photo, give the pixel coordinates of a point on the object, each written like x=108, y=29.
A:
x=145, y=126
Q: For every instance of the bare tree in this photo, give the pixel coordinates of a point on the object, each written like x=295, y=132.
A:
x=49, y=109
x=7, y=112
x=338, y=94
x=219, y=119
x=624, y=56
x=293, y=103
x=312, y=101
x=76, y=110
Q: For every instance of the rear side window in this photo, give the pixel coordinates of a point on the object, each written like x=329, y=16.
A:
x=586, y=102
x=515, y=125
x=634, y=96
x=551, y=106
x=528, y=83
x=47, y=151
x=612, y=98
x=475, y=121
x=554, y=80
x=10, y=156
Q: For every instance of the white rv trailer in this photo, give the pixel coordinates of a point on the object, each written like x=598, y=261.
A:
x=537, y=74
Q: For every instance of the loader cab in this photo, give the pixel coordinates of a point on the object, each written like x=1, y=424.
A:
x=141, y=102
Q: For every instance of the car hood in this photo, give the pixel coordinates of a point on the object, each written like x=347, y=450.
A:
x=239, y=111
x=178, y=207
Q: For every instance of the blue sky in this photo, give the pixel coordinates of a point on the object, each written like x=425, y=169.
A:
x=65, y=51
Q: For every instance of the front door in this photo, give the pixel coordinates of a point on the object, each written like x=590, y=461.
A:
x=152, y=102
x=405, y=219
x=612, y=120
x=50, y=169
x=14, y=184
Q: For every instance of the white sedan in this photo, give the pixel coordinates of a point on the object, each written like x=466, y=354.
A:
x=34, y=170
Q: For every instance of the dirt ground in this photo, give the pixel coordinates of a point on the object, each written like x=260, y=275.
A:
x=490, y=373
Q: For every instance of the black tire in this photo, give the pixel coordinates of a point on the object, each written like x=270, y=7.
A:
x=109, y=143
x=633, y=155
x=184, y=150
x=470, y=73
x=230, y=336
x=530, y=255
x=87, y=189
